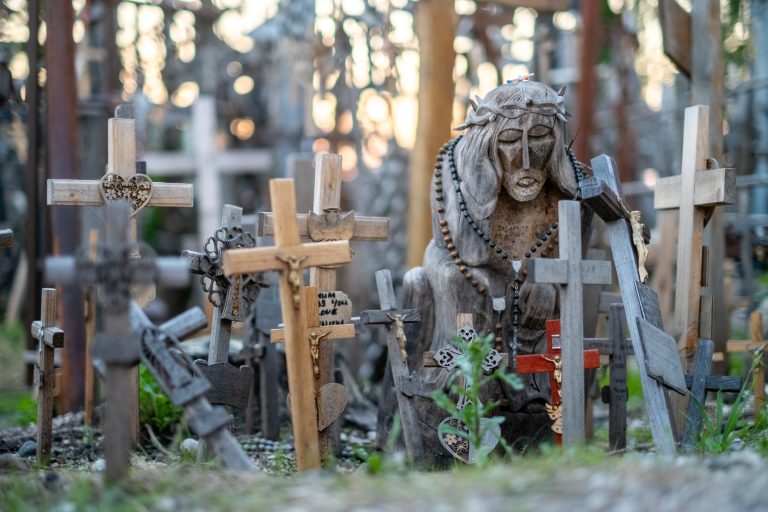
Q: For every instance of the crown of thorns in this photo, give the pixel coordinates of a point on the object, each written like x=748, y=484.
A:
x=484, y=112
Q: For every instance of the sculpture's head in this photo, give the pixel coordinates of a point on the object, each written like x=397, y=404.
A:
x=515, y=138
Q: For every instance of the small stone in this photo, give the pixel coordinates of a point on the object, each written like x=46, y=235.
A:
x=190, y=445
x=27, y=449
x=99, y=465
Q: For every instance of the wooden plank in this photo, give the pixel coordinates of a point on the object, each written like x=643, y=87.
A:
x=87, y=193
x=549, y=270
x=718, y=383
x=240, y=261
x=661, y=357
x=626, y=272
x=649, y=304
x=617, y=413
x=701, y=369
x=381, y=316
x=45, y=378
x=714, y=187
x=230, y=385
x=676, y=34
x=335, y=332
x=367, y=229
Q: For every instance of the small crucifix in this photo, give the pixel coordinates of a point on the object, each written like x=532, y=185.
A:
x=552, y=363
x=394, y=320
x=49, y=338
x=114, y=272
x=291, y=257
x=571, y=272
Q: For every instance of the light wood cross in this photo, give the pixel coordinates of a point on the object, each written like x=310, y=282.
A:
x=571, y=273
x=695, y=192
x=49, y=338
x=395, y=319
x=552, y=363
x=756, y=345
x=603, y=192
x=291, y=257
x=114, y=272
x=325, y=222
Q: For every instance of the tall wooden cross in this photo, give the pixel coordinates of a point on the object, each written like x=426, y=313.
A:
x=325, y=222
x=232, y=298
x=395, y=319
x=697, y=190
x=184, y=384
x=552, y=363
x=114, y=272
x=602, y=192
x=758, y=346
x=291, y=257
x=571, y=273
x=49, y=338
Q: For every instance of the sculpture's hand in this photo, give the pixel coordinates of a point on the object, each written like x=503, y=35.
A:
x=537, y=303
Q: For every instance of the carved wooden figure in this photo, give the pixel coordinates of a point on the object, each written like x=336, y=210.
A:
x=114, y=272
x=291, y=257
x=494, y=208
x=49, y=338
x=185, y=385
x=395, y=319
x=324, y=223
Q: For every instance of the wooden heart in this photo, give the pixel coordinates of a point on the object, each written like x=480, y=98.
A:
x=460, y=447
x=331, y=402
x=137, y=189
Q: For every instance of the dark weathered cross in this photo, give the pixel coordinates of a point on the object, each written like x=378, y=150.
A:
x=571, y=273
x=114, y=272
x=395, y=319
x=602, y=192
x=291, y=257
x=49, y=338
x=185, y=386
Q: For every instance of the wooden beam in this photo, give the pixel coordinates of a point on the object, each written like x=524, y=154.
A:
x=676, y=34
x=88, y=193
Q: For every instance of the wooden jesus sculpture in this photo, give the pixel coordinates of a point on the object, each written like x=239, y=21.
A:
x=494, y=207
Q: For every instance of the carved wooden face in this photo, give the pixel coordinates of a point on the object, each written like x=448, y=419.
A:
x=524, y=149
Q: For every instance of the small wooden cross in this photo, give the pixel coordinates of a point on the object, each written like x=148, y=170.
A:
x=324, y=223
x=570, y=272
x=6, y=238
x=290, y=257
x=602, y=192
x=395, y=319
x=114, y=272
x=756, y=345
x=49, y=338
x=696, y=192
x=551, y=362
x=184, y=385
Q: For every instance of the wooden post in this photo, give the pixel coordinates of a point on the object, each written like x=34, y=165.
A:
x=394, y=320
x=758, y=346
x=701, y=368
x=570, y=272
x=49, y=338
x=617, y=416
x=290, y=257
x=90, y=331
x=436, y=29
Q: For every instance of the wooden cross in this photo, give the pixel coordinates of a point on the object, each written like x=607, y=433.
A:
x=184, y=385
x=290, y=257
x=232, y=298
x=394, y=319
x=695, y=192
x=49, y=338
x=570, y=272
x=756, y=345
x=602, y=193
x=6, y=238
x=114, y=272
x=552, y=363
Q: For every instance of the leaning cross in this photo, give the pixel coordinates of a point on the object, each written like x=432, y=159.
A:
x=602, y=193
x=325, y=222
x=695, y=192
x=290, y=257
x=185, y=386
x=114, y=272
x=570, y=272
x=758, y=346
x=395, y=319
x=551, y=362
x=49, y=337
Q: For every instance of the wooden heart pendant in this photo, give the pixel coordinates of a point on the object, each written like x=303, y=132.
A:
x=459, y=446
x=137, y=189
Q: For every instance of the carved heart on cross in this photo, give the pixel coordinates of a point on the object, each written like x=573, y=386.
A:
x=137, y=189
x=459, y=446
